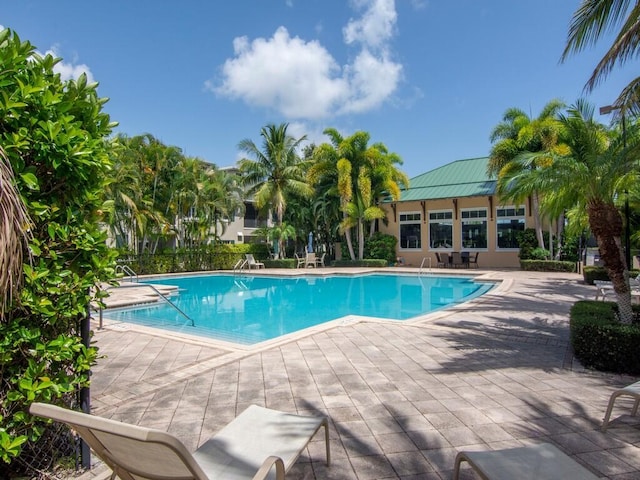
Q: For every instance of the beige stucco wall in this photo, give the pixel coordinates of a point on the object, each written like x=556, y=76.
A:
x=489, y=257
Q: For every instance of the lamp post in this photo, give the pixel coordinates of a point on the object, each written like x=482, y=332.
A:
x=627, y=229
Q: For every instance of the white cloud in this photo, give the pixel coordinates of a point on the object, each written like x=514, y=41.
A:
x=68, y=70
x=301, y=80
x=372, y=80
x=377, y=25
x=297, y=78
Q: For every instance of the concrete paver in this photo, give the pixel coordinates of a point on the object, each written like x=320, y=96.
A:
x=402, y=397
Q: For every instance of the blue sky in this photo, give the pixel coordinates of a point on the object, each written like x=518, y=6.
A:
x=428, y=78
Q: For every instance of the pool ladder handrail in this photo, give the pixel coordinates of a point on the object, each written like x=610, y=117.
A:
x=159, y=293
x=127, y=271
x=422, y=265
x=240, y=265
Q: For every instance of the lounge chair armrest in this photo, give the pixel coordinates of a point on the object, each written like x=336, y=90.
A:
x=266, y=467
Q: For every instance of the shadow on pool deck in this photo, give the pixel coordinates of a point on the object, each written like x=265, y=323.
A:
x=403, y=398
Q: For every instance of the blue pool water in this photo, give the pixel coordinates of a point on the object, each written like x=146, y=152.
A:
x=251, y=309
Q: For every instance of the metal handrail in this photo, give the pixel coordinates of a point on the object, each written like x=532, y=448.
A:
x=422, y=265
x=160, y=294
x=240, y=264
x=127, y=270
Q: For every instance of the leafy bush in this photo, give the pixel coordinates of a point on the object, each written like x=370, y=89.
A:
x=382, y=246
x=591, y=273
x=54, y=135
x=539, y=254
x=281, y=263
x=212, y=257
x=547, y=266
x=527, y=242
x=367, y=262
x=599, y=341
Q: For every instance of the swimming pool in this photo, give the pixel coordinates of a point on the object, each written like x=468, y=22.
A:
x=251, y=309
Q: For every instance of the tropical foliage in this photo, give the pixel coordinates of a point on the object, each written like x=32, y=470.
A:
x=518, y=134
x=275, y=172
x=355, y=176
x=590, y=22
x=157, y=197
x=54, y=134
x=594, y=170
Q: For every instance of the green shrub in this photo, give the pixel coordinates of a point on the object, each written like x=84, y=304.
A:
x=281, y=263
x=381, y=245
x=591, y=273
x=547, y=266
x=54, y=134
x=599, y=341
x=367, y=262
x=539, y=254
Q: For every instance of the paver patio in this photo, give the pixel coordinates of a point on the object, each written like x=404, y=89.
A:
x=402, y=397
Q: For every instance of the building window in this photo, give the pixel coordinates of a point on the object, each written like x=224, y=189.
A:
x=252, y=217
x=410, y=231
x=474, y=228
x=509, y=221
x=441, y=229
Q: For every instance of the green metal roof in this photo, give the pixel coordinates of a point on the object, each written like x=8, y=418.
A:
x=462, y=178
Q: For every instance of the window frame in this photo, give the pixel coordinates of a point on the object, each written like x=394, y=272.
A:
x=448, y=221
x=484, y=219
x=513, y=215
x=416, y=219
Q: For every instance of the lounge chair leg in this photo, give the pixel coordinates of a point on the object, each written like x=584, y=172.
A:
x=326, y=440
x=607, y=416
x=456, y=469
x=634, y=410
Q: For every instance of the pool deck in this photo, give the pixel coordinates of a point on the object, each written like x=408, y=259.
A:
x=402, y=397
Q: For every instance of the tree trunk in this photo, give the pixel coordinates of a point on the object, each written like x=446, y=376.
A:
x=606, y=224
x=360, y=239
x=347, y=235
x=536, y=218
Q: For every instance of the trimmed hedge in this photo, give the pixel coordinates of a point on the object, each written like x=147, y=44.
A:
x=547, y=266
x=280, y=263
x=599, y=341
x=367, y=262
x=591, y=273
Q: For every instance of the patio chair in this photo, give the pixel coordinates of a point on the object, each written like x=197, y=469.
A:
x=249, y=447
x=533, y=462
x=310, y=260
x=439, y=262
x=252, y=262
x=299, y=260
x=474, y=260
x=456, y=259
x=633, y=391
x=445, y=259
x=320, y=261
x=605, y=287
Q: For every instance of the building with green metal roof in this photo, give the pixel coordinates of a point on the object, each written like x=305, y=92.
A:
x=451, y=214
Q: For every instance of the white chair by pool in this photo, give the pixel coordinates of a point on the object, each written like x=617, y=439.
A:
x=252, y=262
x=250, y=447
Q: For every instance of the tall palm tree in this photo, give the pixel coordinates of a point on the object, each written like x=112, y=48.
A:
x=517, y=134
x=14, y=234
x=591, y=174
x=593, y=19
x=361, y=173
x=275, y=171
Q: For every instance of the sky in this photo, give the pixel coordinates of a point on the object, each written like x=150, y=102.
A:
x=430, y=79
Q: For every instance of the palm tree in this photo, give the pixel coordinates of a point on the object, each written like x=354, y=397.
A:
x=275, y=172
x=14, y=234
x=361, y=173
x=517, y=134
x=592, y=19
x=591, y=174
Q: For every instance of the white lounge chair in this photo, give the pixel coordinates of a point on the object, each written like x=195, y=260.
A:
x=320, y=261
x=632, y=391
x=299, y=260
x=252, y=261
x=534, y=462
x=252, y=446
x=605, y=287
